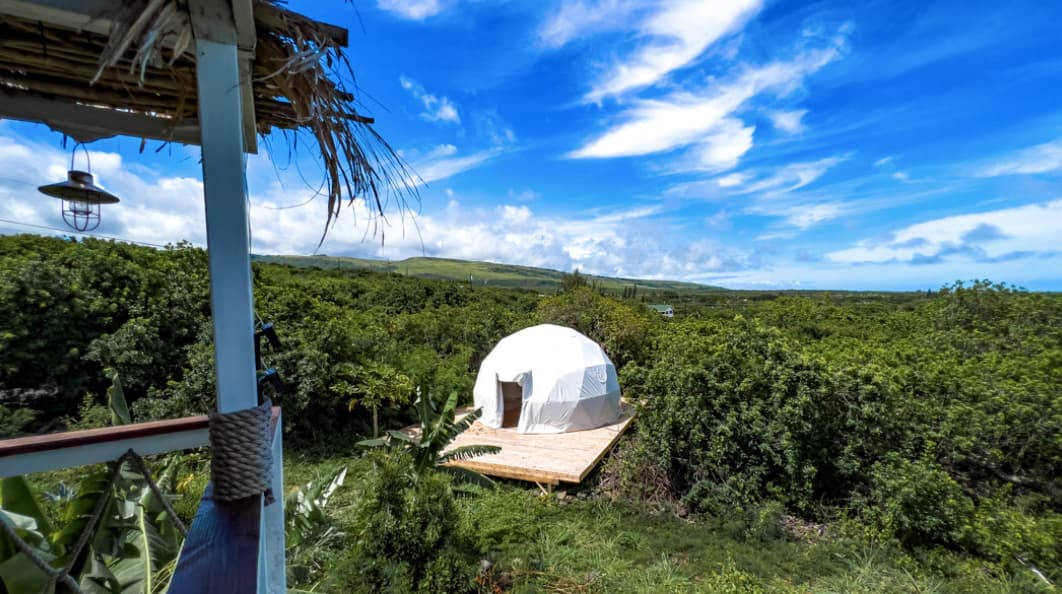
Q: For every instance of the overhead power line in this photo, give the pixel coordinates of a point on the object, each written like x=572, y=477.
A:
x=71, y=232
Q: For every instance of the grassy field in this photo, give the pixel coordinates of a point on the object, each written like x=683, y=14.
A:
x=482, y=273
x=580, y=542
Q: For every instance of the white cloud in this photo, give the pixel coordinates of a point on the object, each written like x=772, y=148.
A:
x=160, y=209
x=673, y=37
x=436, y=108
x=416, y=10
x=985, y=236
x=789, y=177
x=154, y=208
x=515, y=214
x=789, y=122
x=607, y=243
x=441, y=150
x=441, y=163
x=579, y=18
x=901, y=176
x=706, y=122
x=1042, y=158
x=808, y=215
x=731, y=180
x=719, y=221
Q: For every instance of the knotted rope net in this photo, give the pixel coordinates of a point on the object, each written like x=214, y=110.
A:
x=62, y=575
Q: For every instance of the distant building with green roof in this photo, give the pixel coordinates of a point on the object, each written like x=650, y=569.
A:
x=663, y=309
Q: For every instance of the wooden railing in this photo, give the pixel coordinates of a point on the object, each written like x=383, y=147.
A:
x=233, y=547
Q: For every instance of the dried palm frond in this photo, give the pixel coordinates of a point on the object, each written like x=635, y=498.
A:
x=306, y=67
x=301, y=81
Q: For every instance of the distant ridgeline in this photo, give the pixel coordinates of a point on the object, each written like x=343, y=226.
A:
x=485, y=273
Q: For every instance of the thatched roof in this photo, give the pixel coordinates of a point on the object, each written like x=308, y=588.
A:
x=137, y=75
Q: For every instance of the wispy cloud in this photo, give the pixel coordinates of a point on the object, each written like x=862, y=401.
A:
x=790, y=122
x=673, y=37
x=579, y=18
x=416, y=10
x=985, y=236
x=436, y=108
x=442, y=162
x=787, y=178
x=1041, y=158
x=707, y=121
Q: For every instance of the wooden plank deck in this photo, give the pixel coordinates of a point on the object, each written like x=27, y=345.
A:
x=547, y=459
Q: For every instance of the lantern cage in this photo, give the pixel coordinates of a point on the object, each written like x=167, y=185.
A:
x=81, y=197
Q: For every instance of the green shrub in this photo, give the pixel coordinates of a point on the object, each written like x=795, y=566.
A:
x=407, y=535
x=917, y=502
x=1005, y=532
x=15, y=422
x=736, y=414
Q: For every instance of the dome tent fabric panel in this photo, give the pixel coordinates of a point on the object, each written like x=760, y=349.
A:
x=567, y=381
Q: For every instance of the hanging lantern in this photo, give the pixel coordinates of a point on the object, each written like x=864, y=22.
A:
x=80, y=195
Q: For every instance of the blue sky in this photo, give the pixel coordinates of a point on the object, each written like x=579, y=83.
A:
x=746, y=143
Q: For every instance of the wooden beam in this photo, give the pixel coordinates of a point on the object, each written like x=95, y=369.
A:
x=250, y=127
x=229, y=24
x=86, y=122
x=80, y=15
x=272, y=16
x=41, y=453
x=246, y=35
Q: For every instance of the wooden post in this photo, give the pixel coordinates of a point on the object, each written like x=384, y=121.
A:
x=228, y=245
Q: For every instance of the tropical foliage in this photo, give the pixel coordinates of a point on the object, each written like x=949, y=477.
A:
x=428, y=447
x=930, y=421
x=116, y=534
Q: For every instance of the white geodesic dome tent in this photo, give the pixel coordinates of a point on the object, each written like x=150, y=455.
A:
x=547, y=379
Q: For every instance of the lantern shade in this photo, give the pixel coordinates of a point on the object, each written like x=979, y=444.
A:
x=79, y=187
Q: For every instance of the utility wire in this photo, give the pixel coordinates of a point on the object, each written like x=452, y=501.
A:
x=72, y=232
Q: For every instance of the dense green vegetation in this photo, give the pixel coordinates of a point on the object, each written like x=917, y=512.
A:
x=784, y=442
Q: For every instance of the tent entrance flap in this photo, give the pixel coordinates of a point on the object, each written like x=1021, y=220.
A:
x=512, y=403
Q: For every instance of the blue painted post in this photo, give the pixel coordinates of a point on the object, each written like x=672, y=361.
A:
x=231, y=297
x=275, y=560
x=225, y=187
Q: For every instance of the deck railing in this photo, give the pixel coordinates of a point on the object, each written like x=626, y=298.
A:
x=232, y=547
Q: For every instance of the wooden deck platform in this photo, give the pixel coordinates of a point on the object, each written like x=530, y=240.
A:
x=545, y=459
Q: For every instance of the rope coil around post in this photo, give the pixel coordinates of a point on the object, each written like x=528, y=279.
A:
x=242, y=448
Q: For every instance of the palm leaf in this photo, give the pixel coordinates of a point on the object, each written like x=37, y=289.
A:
x=465, y=476
x=467, y=452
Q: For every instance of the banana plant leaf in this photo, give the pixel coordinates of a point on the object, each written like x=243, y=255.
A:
x=19, y=574
x=116, y=402
x=78, y=515
x=16, y=497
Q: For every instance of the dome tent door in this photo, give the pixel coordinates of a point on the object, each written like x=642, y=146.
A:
x=512, y=402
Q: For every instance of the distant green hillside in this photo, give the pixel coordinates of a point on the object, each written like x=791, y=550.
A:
x=482, y=273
